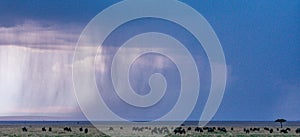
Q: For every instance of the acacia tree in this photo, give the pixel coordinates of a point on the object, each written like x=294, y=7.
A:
x=280, y=121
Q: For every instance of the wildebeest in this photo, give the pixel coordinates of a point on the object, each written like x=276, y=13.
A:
x=223, y=129
x=189, y=128
x=80, y=129
x=283, y=131
x=271, y=130
x=44, y=129
x=266, y=129
x=165, y=130
x=111, y=129
x=159, y=130
x=210, y=129
x=86, y=130
x=246, y=130
x=68, y=129
x=288, y=129
x=255, y=129
x=231, y=128
x=179, y=130
x=24, y=129
x=137, y=129
x=198, y=129
x=298, y=130
x=154, y=131
x=50, y=129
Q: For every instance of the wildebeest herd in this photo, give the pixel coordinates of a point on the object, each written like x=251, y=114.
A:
x=153, y=130
x=182, y=130
x=67, y=129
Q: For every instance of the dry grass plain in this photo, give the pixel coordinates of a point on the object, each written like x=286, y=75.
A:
x=127, y=131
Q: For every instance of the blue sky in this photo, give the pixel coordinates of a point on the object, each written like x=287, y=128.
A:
x=260, y=40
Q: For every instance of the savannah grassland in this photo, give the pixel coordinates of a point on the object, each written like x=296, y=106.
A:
x=126, y=131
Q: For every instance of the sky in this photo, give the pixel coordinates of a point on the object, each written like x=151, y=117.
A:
x=260, y=40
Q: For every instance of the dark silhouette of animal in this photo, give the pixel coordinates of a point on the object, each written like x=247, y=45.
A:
x=44, y=129
x=266, y=129
x=165, y=130
x=80, y=129
x=198, y=129
x=179, y=130
x=86, y=130
x=223, y=129
x=137, y=129
x=189, y=128
x=111, y=129
x=68, y=129
x=232, y=129
x=24, y=129
x=154, y=131
x=210, y=129
x=271, y=130
x=288, y=129
x=246, y=130
x=121, y=128
x=160, y=130
x=50, y=129
x=254, y=129
x=283, y=131
x=297, y=130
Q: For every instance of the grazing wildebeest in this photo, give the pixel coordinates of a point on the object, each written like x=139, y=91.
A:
x=154, y=131
x=223, y=129
x=160, y=130
x=210, y=129
x=44, y=129
x=134, y=128
x=283, y=131
x=179, y=130
x=80, y=129
x=198, y=129
x=297, y=130
x=254, y=129
x=86, y=130
x=165, y=130
x=24, y=129
x=231, y=128
x=68, y=129
x=266, y=129
x=246, y=130
x=189, y=128
x=137, y=129
x=271, y=130
x=50, y=129
x=111, y=129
